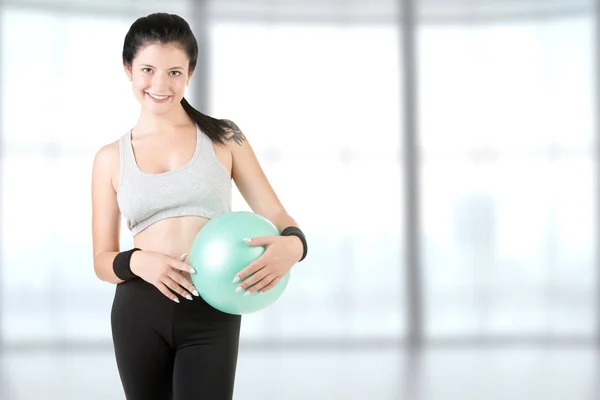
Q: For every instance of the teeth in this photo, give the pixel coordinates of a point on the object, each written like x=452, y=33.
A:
x=157, y=97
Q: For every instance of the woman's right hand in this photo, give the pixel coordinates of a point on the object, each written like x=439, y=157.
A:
x=162, y=271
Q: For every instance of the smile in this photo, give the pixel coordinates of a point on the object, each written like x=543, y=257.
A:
x=157, y=97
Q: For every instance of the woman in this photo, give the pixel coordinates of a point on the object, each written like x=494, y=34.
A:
x=169, y=175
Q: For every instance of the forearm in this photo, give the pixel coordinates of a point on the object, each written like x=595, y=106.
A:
x=282, y=220
x=103, y=266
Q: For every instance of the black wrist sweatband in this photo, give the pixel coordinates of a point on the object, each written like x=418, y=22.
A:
x=122, y=265
x=295, y=231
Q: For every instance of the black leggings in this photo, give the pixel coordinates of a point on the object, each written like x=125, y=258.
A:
x=170, y=351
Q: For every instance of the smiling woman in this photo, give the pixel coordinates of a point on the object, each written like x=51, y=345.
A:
x=168, y=176
x=149, y=84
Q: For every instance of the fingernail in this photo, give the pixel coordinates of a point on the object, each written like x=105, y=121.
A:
x=248, y=293
x=188, y=296
x=195, y=292
x=259, y=292
x=247, y=240
x=236, y=279
x=192, y=271
x=176, y=300
x=238, y=289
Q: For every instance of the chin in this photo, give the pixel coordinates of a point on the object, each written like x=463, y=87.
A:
x=157, y=110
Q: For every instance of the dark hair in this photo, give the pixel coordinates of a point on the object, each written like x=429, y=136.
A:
x=172, y=29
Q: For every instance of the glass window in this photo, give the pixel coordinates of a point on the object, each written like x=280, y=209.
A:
x=506, y=114
x=320, y=105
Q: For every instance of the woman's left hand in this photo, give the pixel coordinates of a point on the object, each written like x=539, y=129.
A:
x=282, y=253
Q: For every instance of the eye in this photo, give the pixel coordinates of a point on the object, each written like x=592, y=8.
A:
x=146, y=70
x=177, y=73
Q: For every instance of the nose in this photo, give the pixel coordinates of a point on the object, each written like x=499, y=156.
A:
x=159, y=83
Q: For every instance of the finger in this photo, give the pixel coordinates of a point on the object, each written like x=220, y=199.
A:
x=260, y=240
x=262, y=283
x=182, y=259
x=270, y=286
x=181, y=266
x=164, y=290
x=254, y=266
x=260, y=274
x=175, y=287
x=181, y=281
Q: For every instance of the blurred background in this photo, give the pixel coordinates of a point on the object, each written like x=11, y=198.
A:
x=441, y=156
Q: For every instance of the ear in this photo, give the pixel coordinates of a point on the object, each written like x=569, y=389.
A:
x=128, y=72
x=190, y=73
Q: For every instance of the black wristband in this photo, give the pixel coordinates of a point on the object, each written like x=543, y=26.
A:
x=295, y=231
x=122, y=267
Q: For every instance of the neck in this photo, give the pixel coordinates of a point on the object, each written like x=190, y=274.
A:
x=149, y=122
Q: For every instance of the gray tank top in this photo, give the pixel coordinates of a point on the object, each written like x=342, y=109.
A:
x=201, y=187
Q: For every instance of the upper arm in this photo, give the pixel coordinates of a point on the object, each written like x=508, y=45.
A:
x=105, y=210
x=249, y=177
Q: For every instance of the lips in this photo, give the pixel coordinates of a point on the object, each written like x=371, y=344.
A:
x=158, y=97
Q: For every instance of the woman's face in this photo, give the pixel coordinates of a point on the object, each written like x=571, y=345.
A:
x=159, y=74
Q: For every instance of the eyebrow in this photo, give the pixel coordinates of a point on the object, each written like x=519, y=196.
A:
x=151, y=66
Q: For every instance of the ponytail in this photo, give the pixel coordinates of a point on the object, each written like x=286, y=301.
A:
x=215, y=129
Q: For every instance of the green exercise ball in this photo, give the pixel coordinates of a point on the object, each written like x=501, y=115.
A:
x=219, y=252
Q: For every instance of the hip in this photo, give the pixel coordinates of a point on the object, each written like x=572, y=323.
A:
x=140, y=299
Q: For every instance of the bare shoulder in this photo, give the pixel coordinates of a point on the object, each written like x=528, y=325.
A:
x=107, y=156
x=109, y=150
x=107, y=162
x=234, y=135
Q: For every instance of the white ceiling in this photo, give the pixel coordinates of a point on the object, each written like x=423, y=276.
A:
x=330, y=10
